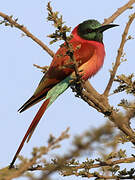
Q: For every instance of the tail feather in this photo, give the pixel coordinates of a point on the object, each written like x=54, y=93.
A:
x=29, y=103
x=33, y=100
x=31, y=128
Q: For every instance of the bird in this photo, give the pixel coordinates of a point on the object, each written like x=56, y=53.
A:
x=89, y=53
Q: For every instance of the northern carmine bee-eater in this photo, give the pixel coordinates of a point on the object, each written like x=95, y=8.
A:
x=89, y=53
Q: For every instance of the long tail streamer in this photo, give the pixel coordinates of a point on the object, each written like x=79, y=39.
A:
x=31, y=129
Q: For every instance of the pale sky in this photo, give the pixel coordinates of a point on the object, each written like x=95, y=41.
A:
x=19, y=78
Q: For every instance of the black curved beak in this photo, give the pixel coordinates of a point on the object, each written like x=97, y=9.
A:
x=105, y=27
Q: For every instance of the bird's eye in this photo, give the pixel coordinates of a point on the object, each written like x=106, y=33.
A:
x=86, y=31
x=89, y=30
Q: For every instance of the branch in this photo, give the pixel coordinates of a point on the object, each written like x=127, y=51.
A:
x=83, y=169
x=13, y=23
x=120, y=52
x=119, y=12
x=101, y=104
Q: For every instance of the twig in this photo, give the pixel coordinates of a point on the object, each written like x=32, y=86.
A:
x=99, y=177
x=43, y=68
x=22, y=28
x=120, y=51
x=130, y=114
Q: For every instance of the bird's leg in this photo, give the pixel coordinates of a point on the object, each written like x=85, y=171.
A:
x=44, y=68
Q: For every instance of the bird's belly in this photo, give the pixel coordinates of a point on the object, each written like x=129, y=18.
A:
x=92, y=66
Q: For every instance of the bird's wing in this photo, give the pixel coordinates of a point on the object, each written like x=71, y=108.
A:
x=60, y=68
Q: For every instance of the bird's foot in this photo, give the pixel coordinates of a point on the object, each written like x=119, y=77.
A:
x=77, y=86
